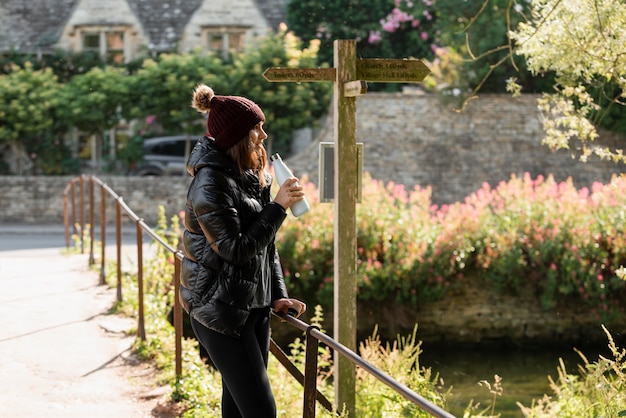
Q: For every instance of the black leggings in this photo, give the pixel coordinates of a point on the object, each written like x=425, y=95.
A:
x=242, y=362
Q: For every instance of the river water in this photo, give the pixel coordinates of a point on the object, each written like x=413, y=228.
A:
x=524, y=373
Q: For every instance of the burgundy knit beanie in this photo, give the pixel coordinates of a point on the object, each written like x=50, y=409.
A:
x=230, y=117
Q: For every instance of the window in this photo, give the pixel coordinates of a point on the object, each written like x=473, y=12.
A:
x=106, y=43
x=224, y=39
x=170, y=148
x=115, y=47
x=216, y=42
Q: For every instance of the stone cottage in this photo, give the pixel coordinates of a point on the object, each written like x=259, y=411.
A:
x=120, y=30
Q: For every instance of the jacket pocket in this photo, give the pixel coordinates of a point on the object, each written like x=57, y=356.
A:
x=235, y=291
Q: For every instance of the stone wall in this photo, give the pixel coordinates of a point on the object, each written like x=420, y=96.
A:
x=474, y=314
x=39, y=199
x=414, y=139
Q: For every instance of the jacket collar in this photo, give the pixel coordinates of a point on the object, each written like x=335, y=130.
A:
x=207, y=154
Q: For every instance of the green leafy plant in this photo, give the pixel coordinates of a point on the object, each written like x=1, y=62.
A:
x=495, y=390
x=400, y=360
x=384, y=29
x=596, y=391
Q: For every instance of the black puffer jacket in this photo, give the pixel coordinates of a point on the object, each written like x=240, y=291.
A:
x=229, y=247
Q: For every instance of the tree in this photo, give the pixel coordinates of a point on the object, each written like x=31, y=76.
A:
x=464, y=42
x=160, y=92
x=381, y=28
x=287, y=106
x=64, y=64
x=92, y=102
x=28, y=99
x=162, y=89
x=476, y=50
x=584, y=43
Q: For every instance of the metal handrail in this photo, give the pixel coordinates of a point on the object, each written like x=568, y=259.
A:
x=403, y=390
x=312, y=332
x=141, y=227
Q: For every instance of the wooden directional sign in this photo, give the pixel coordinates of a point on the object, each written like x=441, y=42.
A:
x=350, y=76
x=276, y=74
x=391, y=70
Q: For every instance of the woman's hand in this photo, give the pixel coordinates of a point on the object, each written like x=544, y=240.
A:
x=289, y=193
x=284, y=305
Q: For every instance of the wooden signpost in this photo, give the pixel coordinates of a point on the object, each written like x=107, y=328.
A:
x=350, y=76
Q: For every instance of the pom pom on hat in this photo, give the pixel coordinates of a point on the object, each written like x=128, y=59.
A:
x=230, y=117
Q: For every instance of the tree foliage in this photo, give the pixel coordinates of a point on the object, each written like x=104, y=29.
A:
x=92, y=101
x=162, y=89
x=381, y=28
x=287, y=106
x=475, y=48
x=64, y=64
x=584, y=43
x=27, y=99
x=465, y=43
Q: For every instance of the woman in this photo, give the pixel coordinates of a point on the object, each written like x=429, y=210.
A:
x=231, y=273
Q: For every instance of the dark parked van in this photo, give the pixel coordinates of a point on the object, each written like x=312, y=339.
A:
x=164, y=156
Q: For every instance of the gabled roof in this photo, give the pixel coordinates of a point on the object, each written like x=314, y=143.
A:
x=33, y=25
x=274, y=11
x=164, y=21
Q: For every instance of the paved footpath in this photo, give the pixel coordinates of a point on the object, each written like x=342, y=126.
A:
x=61, y=353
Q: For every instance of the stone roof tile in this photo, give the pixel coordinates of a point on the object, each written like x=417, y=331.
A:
x=164, y=21
x=273, y=10
x=33, y=25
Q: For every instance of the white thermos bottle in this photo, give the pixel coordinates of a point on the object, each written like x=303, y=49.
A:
x=282, y=173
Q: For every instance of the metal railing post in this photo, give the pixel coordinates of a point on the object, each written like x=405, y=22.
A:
x=66, y=221
x=141, y=328
x=82, y=214
x=178, y=315
x=103, y=233
x=297, y=374
x=73, y=201
x=310, y=374
x=118, y=241
x=92, y=221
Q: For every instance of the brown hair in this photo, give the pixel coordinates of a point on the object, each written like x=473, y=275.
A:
x=247, y=156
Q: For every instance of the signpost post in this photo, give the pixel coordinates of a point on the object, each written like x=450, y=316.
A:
x=350, y=76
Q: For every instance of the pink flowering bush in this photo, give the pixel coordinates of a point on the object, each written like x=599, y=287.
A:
x=525, y=235
x=556, y=240
x=408, y=29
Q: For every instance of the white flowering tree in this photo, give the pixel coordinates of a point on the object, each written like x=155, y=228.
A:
x=583, y=42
